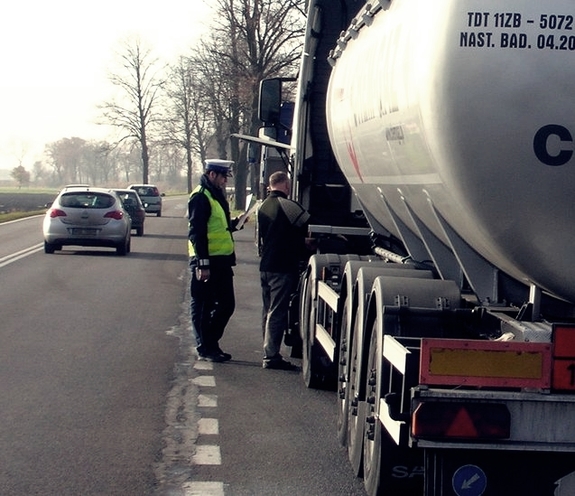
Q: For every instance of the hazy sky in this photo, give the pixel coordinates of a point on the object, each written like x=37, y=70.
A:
x=55, y=56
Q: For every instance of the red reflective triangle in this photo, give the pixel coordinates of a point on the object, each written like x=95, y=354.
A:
x=462, y=425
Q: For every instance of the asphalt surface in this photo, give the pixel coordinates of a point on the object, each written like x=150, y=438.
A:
x=85, y=360
x=101, y=395
x=274, y=436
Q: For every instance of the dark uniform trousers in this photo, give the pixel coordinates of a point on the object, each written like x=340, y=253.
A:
x=212, y=305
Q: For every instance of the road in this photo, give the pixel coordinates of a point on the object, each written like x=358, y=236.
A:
x=101, y=395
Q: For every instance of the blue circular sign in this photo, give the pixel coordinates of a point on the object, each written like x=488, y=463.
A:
x=469, y=480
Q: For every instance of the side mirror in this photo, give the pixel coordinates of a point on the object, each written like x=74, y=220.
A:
x=270, y=101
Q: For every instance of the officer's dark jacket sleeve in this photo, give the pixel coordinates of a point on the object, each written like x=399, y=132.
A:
x=199, y=211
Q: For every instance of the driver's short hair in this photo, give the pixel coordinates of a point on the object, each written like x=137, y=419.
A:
x=278, y=177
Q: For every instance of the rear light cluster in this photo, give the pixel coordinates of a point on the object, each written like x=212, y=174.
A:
x=56, y=212
x=564, y=358
x=461, y=421
x=116, y=214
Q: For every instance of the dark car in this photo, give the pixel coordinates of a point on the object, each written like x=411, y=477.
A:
x=134, y=206
x=150, y=196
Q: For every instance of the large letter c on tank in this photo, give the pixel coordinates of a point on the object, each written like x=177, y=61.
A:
x=540, y=145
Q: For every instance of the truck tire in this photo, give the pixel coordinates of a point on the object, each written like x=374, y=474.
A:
x=372, y=431
x=352, y=298
x=343, y=370
x=356, y=409
x=388, y=468
x=358, y=350
x=391, y=467
x=317, y=369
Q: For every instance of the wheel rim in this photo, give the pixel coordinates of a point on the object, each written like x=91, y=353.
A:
x=306, y=316
x=356, y=409
x=372, y=429
x=343, y=380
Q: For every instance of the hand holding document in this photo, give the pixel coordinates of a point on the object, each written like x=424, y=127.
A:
x=249, y=211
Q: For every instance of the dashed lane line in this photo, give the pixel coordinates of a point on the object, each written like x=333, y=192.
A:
x=205, y=381
x=206, y=454
x=203, y=489
x=208, y=426
x=207, y=400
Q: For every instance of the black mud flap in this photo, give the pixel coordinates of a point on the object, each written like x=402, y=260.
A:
x=498, y=473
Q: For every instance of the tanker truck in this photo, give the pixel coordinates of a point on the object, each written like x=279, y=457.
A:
x=432, y=143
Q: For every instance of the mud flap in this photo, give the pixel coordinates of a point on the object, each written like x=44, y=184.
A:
x=498, y=473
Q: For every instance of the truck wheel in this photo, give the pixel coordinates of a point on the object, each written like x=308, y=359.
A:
x=317, y=369
x=313, y=376
x=356, y=410
x=388, y=468
x=343, y=373
x=372, y=431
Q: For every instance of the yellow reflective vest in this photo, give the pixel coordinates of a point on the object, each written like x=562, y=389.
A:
x=220, y=240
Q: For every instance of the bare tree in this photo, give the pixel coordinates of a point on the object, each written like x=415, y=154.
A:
x=213, y=74
x=99, y=169
x=253, y=40
x=168, y=159
x=189, y=122
x=66, y=158
x=127, y=158
x=38, y=171
x=140, y=83
x=19, y=149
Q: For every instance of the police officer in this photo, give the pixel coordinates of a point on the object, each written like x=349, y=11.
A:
x=212, y=256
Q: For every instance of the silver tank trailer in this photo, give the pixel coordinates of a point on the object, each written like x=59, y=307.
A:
x=469, y=107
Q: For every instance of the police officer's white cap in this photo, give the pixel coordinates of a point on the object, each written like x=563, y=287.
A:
x=218, y=165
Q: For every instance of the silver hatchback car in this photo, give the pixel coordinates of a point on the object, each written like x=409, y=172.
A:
x=87, y=216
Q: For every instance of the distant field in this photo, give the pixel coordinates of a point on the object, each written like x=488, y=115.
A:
x=15, y=204
x=24, y=202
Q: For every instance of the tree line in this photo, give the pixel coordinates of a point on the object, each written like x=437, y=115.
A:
x=170, y=117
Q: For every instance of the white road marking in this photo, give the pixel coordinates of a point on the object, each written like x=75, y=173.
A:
x=207, y=454
x=199, y=488
x=204, y=366
x=8, y=259
x=205, y=381
x=207, y=400
x=208, y=426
